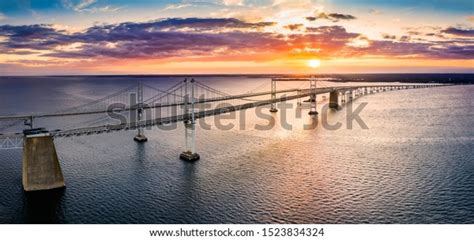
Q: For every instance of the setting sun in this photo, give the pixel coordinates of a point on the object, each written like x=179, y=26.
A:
x=314, y=63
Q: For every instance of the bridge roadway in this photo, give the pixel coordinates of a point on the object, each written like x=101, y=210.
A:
x=201, y=114
x=198, y=101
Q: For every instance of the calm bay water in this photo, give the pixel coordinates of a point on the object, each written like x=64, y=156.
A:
x=415, y=163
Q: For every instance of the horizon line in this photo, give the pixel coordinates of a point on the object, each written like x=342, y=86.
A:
x=233, y=74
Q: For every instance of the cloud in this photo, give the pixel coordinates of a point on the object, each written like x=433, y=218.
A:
x=334, y=17
x=339, y=31
x=338, y=16
x=329, y=41
x=414, y=33
x=459, y=32
x=77, y=6
x=220, y=38
x=405, y=38
x=388, y=36
x=107, y=8
x=85, y=3
x=233, y=2
x=433, y=50
x=2, y=16
x=35, y=37
x=87, y=6
x=39, y=62
x=184, y=24
x=158, y=39
x=294, y=27
x=173, y=44
x=177, y=6
x=375, y=11
x=470, y=18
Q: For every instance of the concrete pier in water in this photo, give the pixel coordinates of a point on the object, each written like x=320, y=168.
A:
x=41, y=168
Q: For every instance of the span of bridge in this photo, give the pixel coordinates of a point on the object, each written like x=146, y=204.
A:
x=41, y=168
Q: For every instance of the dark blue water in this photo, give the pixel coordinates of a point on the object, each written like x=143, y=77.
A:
x=415, y=163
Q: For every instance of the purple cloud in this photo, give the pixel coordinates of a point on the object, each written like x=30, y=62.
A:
x=193, y=37
x=334, y=17
x=459, y=32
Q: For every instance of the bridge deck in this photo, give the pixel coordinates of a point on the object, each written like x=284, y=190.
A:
x=217, y=99
x=205, y=113
x=301, y=93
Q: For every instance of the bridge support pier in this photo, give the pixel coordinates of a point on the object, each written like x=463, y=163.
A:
x=140, y=137
x=189, y=126
x=41, y=168
x=190, y=135
x=334, y=100
x=299, y=101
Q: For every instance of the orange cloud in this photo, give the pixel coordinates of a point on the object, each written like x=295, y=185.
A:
x=212, y=40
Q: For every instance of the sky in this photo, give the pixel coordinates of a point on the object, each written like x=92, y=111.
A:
x=57, y=37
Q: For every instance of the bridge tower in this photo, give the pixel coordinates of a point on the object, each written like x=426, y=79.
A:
x=273, y=108
x=189, y=124
x=312, y=87
x=334, y=100
x=140, y=137
x=298, y=101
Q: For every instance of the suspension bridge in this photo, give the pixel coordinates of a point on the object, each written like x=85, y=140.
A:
x=142, y=106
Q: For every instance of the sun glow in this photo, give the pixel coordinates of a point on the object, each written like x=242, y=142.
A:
x=314, y=63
